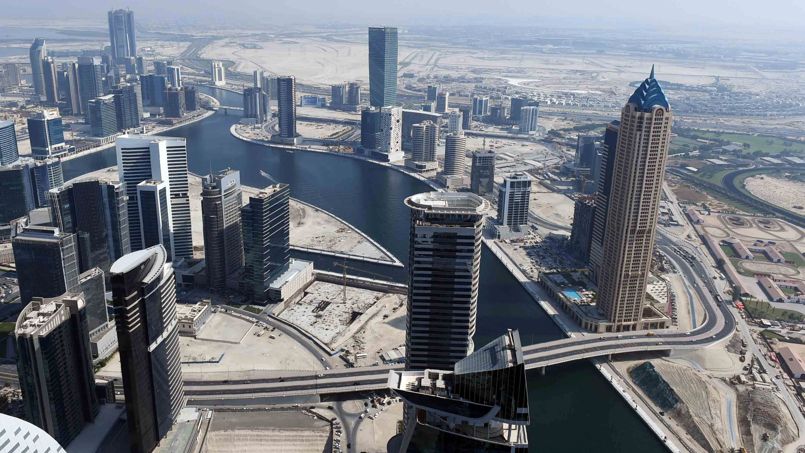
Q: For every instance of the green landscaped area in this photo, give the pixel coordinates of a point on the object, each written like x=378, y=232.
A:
x=763, y=310
x=686, y=141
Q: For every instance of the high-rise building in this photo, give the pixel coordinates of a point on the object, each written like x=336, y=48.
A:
x=482, y=174
x=443, y=275
x=455, y=122
x=161, y=67
x=153, y=89
x=45, y=175
x=442, y=102
x=156, y=225
x=49, y=73
x=480, y=106
x=127, y=108
x=639, y=169
x=338, y=94
x=174, y=102
x=47, y=262
x=455, y=149
x=266, y=240
x=175, y=76
x=424, y=136
x=11, y=74
x=382, y=66
x=46, y=134
x=353, y=94
x=190, y=98
x=141, y=158
x=93, y=286
x=54, y=364
x=218, y=74
x=122, y=34
x=90, y=79
x=517, y=104
x=221, y=201
x=18, y=192
x=529, y=116
x=585, y=152
x=102, y=114
x=514, y=197
x=9, y=153
x=466, y=117
x=390, y=146
x=72, y=89
x=431, y=93
x=605, y=169
x=256, y=104
x=37, y=54
x=370, y=128
x=96, y=212
x=144, y=299
x=582, y=229
x=286, y=106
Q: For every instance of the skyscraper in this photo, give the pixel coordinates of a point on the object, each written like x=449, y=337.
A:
x=96, y=212
x=604, y=173
x=424, y=136
x=581, y=232
x=480, y=106
x=286, y=106
x=47, y=262
x=218, y=74
x=585, y=152
x=354, y=94
x=466, y=117
x=529, y=115
x=190, y=98
x=45, y=175
x=514, y=197
x=174, y=102
x=639, y=168
x=455, y=122
x=37, y=54
x=482, y=174
x=122, y=34
x=221, y=201
x=175, y=76
x=127, y=107
x=431, y=93
x=266, y=240
x=90, y=79
x=442, y=102
x=155, y=215
x=455, y=150
x=382, y=66
x=256, y=104
x=144, y=297
x=9, y=153
x=338, y=94
x=443, y=276
x=72, y=89
x=142, y=158
x=54, y=364
x=46, y=133
x=49, y=73
x=18, y=192
x=102, y=114
x=389, y=147
x=153, y=89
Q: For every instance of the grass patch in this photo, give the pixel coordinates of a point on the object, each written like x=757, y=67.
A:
x=728, y=250
x=252, y=309
x=761, y=309
x=771, y=335
x=751, y=143
x=794, y=258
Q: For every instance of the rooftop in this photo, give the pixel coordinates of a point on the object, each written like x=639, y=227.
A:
x=128, y=262
x=649, y=95
x=448, y=202
x=43, y=315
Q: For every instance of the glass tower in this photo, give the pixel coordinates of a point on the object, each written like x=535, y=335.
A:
x=382, y=66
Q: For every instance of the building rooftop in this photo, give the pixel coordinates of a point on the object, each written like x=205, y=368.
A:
x=448, y=202
x=128, y=262
x=649, y=95
x=793, y=360
x=42, y=315
x=269, y=190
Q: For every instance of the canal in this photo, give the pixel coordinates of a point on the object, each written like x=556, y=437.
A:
x=573, y=408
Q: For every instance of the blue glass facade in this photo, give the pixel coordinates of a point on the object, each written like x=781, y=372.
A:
x=382, y=66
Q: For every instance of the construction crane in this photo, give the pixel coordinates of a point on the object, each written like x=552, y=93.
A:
x=344, y=266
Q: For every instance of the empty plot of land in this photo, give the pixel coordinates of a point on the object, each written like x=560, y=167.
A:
x=224, y=328
x=259, y=432
x=551, y=206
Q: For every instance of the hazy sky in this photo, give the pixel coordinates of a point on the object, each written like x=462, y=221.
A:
x=701, y=15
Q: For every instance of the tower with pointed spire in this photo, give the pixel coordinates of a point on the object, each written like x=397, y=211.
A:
x=631, y=218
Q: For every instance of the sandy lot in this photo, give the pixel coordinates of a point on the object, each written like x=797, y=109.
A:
x=274, y=431
x=779, y=191
x=554, y=207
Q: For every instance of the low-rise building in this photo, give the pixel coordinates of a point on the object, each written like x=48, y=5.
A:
x=192, y=318
x=793, y=362
x=296, y=276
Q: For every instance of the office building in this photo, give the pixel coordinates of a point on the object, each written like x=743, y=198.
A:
x=218, y=74
x=50, y=75
x=144, y=295
x=442, y=102
x=92, y=286
x=102, y=114
x=455, y=122
x=529, y=116
x=153, y=90
x=480, y=404
x=266, y=240
x=174, y=76
x=431, y=93
x=353, y=94
x=642, y=149
x=155, y=215
x=174, y=102
x=424, y=136
x=482, y=173
x=382, y=66
x=466, y=117
x=581, y=233
x=9, y=153
x=455, y=149
x=73, y=96
x=141, y=158
x=585, y=152
x=90, y=79
x=411, y=117
x=122, y=35
x=480, y=106
x=18, y=192
x=127, y=108
x=54, y=365
x=161, y=67
x=46, y=134
x=516, y=104
x=47, y=262
x=370, y=129
x=443, y=275
x=11, y=75
x=514, y=197
x=256, y=104
x=45, y=175
x=221, y=201
x=605, y=168
x=286, y=107
x=96, y=212
x=37, y=54
x=390, y=146
x=190, y=98
x=338, y=94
